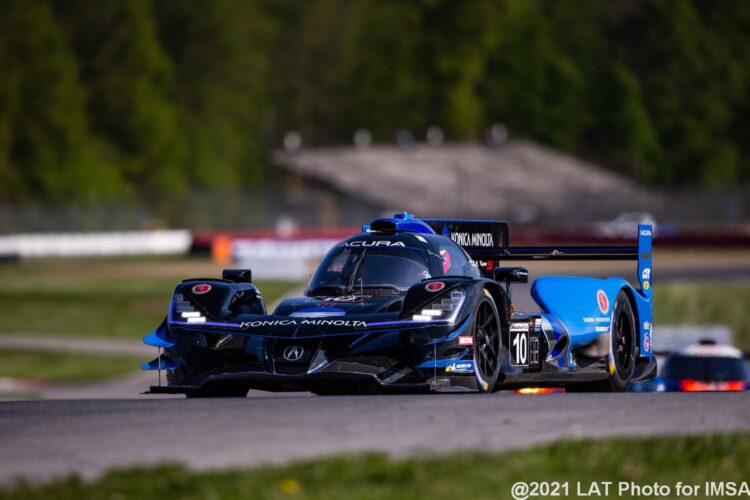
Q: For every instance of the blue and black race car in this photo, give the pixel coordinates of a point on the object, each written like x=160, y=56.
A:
x=413, y=305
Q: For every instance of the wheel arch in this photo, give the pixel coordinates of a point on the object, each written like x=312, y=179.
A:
x=630, y=294
x=501, y=299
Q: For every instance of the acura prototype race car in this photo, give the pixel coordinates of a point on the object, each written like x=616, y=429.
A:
x=413, y=305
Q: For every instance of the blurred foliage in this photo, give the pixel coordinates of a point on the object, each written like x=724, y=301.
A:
x=105, y=100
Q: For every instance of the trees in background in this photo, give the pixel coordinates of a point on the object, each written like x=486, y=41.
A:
x=106, y=100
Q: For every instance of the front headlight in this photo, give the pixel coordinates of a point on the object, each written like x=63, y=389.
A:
x=446, y=307
x=184, y=310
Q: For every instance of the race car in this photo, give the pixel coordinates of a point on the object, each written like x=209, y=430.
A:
x=411, y=305
x=703, y=367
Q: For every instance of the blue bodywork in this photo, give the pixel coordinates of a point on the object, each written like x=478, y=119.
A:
x=570, y=303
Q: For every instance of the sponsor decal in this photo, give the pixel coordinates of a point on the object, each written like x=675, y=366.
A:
x=467, y=340
x=266, y=323
x=375, y=243
x=646, y=274
x=460, y=367
x=602, y=301
x=519, y=327
x=601, y=329
x=201, y=289
x=446, y=260
x=596, y=320
x=473, y=239
x=435, y=286
x=645, y=232
x=647, y=343
x=646, y=285
x=334, y=322
x=344, y=298
x=487, y=265
x=646, y=325
x=646, y=255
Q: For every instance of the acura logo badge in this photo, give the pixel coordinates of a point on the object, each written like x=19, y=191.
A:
x=293, y=353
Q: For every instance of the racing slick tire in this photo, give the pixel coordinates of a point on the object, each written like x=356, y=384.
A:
x=623, y=347
x=487, y=344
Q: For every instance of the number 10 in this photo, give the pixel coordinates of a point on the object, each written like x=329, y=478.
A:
x=520, y=343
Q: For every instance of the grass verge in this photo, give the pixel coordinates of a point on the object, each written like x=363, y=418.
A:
x=106, y=297
x=60, y=367
x=692, y=460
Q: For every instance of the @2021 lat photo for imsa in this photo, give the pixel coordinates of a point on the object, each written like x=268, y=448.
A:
x=413, y=305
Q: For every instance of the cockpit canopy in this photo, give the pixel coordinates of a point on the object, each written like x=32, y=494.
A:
x=377, y=266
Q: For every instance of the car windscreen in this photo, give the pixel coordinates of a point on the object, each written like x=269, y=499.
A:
x=369, y=271
x=705, y=368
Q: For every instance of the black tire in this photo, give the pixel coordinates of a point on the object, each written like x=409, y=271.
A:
x=623, y=348
x=219, y=392
x=487, y=344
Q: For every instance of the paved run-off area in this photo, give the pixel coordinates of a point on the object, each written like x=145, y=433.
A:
x=46, y=439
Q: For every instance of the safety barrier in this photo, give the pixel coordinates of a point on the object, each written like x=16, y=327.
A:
x=96, y=244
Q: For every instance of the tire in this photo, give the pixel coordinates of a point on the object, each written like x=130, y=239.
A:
x=623, y=346
x=487, y=344
x=218, y=392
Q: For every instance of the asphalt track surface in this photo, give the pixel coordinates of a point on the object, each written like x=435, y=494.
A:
x=43, y=440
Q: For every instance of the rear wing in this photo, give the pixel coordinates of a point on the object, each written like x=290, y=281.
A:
x=642, y=252
x=487, y=243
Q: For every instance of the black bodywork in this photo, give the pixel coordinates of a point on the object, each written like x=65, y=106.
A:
x=358, y=340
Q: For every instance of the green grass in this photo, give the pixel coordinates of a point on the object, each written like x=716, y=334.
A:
x=107, y=297
x=693, y=460
x=61, y=367
x=705, y=303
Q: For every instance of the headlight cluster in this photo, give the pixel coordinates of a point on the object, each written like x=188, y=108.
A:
x=444, y=308
x=184, y=310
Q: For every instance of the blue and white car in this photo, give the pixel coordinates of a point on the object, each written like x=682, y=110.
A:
x=414, y=305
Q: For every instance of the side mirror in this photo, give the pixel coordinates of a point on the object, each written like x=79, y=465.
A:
x=237, y=275
x=512, y=274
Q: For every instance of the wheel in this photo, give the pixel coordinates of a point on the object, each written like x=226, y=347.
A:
x=623, y=344
x=622, y=351
x=218, y=392
x=487, y=344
